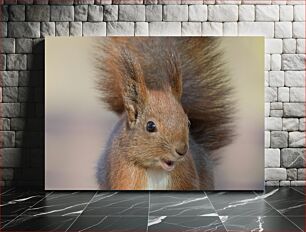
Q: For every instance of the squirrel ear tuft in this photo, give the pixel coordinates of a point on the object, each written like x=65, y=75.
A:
x=133, y=86
x=174, y=74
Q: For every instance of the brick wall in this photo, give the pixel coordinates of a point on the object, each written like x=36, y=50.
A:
x=24, y=25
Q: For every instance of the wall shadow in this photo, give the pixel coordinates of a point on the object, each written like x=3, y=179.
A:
x=31, y=140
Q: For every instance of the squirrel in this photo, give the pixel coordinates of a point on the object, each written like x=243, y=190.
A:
x=174, y=100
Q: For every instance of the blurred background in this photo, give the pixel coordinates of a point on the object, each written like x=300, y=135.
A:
x=77, y=125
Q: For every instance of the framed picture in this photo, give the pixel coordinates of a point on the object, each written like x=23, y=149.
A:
x=154, y=113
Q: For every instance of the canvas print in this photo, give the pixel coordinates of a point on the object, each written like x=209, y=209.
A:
x=154, y=113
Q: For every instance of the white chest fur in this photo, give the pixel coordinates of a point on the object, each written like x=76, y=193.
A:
x=157, y=180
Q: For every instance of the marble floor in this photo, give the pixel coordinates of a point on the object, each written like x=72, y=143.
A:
x=276, y=209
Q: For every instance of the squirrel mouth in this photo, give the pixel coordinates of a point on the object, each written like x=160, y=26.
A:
x=167, y=165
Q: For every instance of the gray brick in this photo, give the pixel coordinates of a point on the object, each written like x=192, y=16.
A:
x=147, y=2
x=270, y=94
x=4, y=15
x=295, y=78
x=273, y=46
x=26, y=2
x=302, y=124
x=197, y=2
x=10, y=94
x=77, y=2
x=3, y=31
x=277, y=78
x=273, y=123
x=169, y=2
x=294, y=109
x=23, y=45
x=75, y=29
x=2, y=62
x=17, y=12
x=276, y=113
x=61, y=2
x=296, y=139
x=94, y=28
x=297, y=94
x=293, y=157
x=291, y=174
x=24, y=29
x=299, y=13
x=275, y=62
x=80, y=12
x=298, y=30
x=230, y=29
x=127, y=2
x=286, y=13
x=8, y=45
x=300, y=46
x=283, y=30
x=23, y=94
x=165, y=29
x=197, y=13
x=9, y=78
x=11, y=109
x=298, y=183
x=154, y=13
x=267, y=138
x=120, y=28
x=8, y=139
x=41, y=2
x=212, y=29
x=62, y=28
x=191, y=29
x=275, y=174
x=11, y=157
x=283, y=94
x=256, y=28
x=284, y=183
x=95, y=13
x=110, y=13
x=267, y=13
x=246, y=13
x=222, y=13
x=141, y=29
x=279, y=139
x=17, y=123
x=276, y=106
x=39, y=13
x=289, y=45
x=293, y=61
x=131, y=13
x=24, y=78
x=62, y=13
x=6, y=125
x=175, y=13
x=273, y=183
x=302, y=174
x=16, y=62
x=103, y=2
x=290, y=124
x=267, y=109
x=272, y=158
x=47, y=29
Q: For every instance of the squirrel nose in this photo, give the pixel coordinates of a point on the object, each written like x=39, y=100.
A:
x=182, y=150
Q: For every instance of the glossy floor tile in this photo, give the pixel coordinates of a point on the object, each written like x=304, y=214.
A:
x=275, y=209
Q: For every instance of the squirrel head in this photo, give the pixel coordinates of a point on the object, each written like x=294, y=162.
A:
x=157, y=127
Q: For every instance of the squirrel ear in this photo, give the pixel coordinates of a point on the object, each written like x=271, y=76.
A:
x=174, y=74
x=133, y=87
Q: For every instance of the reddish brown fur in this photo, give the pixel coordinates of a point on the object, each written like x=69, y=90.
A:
x=168, y=81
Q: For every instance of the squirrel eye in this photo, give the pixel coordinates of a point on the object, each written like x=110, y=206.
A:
x=151, y=127
x=189, y=123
